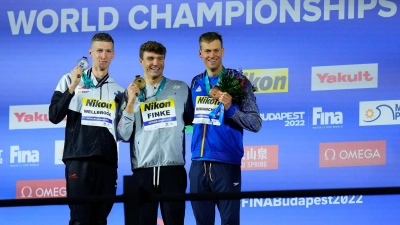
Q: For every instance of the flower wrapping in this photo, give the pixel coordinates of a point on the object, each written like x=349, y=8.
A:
x=233, y=82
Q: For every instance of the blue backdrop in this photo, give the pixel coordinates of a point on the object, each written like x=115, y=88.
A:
x=326, y=73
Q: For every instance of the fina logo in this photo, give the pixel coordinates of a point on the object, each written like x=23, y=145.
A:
x=323, y=119
x=27, y=157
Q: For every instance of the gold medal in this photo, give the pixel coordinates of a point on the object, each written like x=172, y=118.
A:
x=140, y=82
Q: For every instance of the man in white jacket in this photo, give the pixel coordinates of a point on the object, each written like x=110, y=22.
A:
x=90, y=151
x=154, y=119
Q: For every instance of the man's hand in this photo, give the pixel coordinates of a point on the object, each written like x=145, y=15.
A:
x=133, y=91
x=225, y=99
x=76, y=75
x=215, y=93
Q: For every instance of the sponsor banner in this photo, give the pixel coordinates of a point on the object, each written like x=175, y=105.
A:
x=31, y=117
x=289, y=119
x=58, y=152
x=19, y=157
x=379, y=113
x=302, y=202
x=268, y=80
x=344, y=77
x=180, y=15
x=260, y=157
x=364, y=153
x=322, y=119
x=41, y=189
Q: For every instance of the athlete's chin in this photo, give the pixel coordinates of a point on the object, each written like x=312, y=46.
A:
x=103, y=67
x=154, y=76
x=212, y=67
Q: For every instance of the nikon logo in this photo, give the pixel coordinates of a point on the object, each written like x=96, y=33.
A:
x=268, y=80
x=98, y=104
x=156, y=105
x=207, y=100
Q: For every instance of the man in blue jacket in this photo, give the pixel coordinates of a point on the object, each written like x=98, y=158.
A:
x=217, y=145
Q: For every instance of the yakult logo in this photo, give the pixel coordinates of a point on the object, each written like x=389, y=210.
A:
x=41, y=189
x=31, y=117
x=344, y=77
x=260, y=157
x=363, y=153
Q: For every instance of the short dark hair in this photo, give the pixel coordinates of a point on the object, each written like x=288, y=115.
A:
x=152, y=46
x=210, y=37
x=102, y=37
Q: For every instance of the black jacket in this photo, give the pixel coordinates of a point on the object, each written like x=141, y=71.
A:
x=83, y=141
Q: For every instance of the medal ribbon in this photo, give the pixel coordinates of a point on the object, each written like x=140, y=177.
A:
x=141, y=94
x=220, y=108
x=207, y=80
x=89, y=83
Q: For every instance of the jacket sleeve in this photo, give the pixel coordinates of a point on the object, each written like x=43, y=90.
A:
x=189, y=110
x=126, y=121
x=246, y=115
x=58, y=108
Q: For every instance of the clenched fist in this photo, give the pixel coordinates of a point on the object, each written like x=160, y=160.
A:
x=76, y=75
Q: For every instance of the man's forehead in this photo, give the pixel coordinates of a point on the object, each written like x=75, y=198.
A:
x=211, y=45
x=152, y=54
x=102, y=45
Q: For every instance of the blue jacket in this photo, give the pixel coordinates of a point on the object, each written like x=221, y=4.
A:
x=224, y=143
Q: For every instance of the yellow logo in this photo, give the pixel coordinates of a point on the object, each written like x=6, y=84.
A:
x=268, y=80
x=206, y=100
x=157, y=105
x=98, y=103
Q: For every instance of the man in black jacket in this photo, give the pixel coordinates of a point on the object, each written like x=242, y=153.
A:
x=87, y=98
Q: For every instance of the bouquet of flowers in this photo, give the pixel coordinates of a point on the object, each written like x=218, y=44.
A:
x=232, y=82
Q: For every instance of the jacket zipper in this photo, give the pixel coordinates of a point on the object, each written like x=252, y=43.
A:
x=202, y=140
